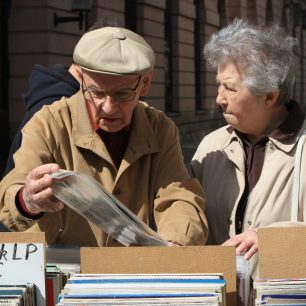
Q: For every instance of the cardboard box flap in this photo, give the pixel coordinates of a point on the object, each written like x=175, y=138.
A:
x=282, y=252
x=23, y=261
x=195, y=259
x=24, y=237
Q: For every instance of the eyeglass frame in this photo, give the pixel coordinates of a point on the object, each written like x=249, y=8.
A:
x=109, y=93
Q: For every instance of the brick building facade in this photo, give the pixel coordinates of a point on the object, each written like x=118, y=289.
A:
x=176, y=29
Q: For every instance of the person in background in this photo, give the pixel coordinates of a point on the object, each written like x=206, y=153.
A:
x=246, y=167
x=46, y=85
x=104, y=131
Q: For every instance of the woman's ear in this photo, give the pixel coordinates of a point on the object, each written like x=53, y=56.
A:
x=272, y=98
x=146, y=83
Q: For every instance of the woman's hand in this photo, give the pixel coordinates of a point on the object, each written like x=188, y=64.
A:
x=245, y=242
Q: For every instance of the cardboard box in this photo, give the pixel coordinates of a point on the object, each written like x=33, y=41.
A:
x=282, y=252
x=195, y=259
x=22, y=261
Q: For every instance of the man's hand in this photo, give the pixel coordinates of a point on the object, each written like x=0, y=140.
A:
x=244, y=242
x=173, y=243
x=38, y=191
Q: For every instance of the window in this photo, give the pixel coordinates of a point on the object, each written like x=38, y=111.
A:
x=198, y=54
x=168, y=57
x=131, y=15
x=4, y=77
x=222, y=13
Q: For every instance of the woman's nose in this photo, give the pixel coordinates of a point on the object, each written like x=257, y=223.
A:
x=221, y=96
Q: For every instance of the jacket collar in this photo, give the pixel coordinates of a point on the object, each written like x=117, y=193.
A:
x=233, y=147
x=142, y=138
x=283, y=145
x=289, y=144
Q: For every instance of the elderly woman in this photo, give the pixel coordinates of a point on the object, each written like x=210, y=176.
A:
x=246, y=168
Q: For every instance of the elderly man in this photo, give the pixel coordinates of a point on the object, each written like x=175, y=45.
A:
x=104, y=131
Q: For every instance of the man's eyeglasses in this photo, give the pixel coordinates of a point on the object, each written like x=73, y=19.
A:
x=120, y=96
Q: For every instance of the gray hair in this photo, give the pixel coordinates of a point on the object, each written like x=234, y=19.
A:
x=263, y=55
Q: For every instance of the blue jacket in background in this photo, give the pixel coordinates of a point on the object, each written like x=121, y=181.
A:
x=46, y=85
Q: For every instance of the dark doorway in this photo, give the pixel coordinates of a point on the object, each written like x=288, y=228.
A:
x=4, y=81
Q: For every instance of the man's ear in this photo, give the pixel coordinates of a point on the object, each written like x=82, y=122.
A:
x=76, y=71
x=146, y=83
x=272, y=98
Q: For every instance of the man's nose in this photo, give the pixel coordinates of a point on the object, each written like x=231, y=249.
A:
x=109, y=106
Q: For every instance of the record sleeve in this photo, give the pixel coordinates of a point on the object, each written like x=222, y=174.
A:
x=90, y=199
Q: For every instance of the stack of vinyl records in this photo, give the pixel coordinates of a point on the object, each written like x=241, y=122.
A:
x=55, y=281
x=66, y=259
x=144, y=289
x=18, y=295
x=90, y=199
x=62, y=262
x=280, y=292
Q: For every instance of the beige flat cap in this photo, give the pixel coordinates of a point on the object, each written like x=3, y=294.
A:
x=114, y=50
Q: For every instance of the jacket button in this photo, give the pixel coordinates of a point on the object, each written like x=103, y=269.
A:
x=249, y=222
x=117, y=191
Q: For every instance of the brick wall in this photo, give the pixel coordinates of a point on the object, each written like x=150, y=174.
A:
x=33, y=39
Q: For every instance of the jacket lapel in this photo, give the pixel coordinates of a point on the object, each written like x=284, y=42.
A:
x=84, y=135
x=142, y=139
x=234, y=153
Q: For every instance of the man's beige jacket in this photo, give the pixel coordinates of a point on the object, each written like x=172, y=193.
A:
x=152, y=180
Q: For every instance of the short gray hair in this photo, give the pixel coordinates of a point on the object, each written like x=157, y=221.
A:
x=263, y=55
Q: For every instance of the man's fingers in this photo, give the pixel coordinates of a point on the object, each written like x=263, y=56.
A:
x=54, y=206
x=41, y=196
x=38, y=190
x=48, y=206
x=42, y=170
x=36, y=186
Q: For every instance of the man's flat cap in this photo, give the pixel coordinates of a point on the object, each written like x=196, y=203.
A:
x=114, y=50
